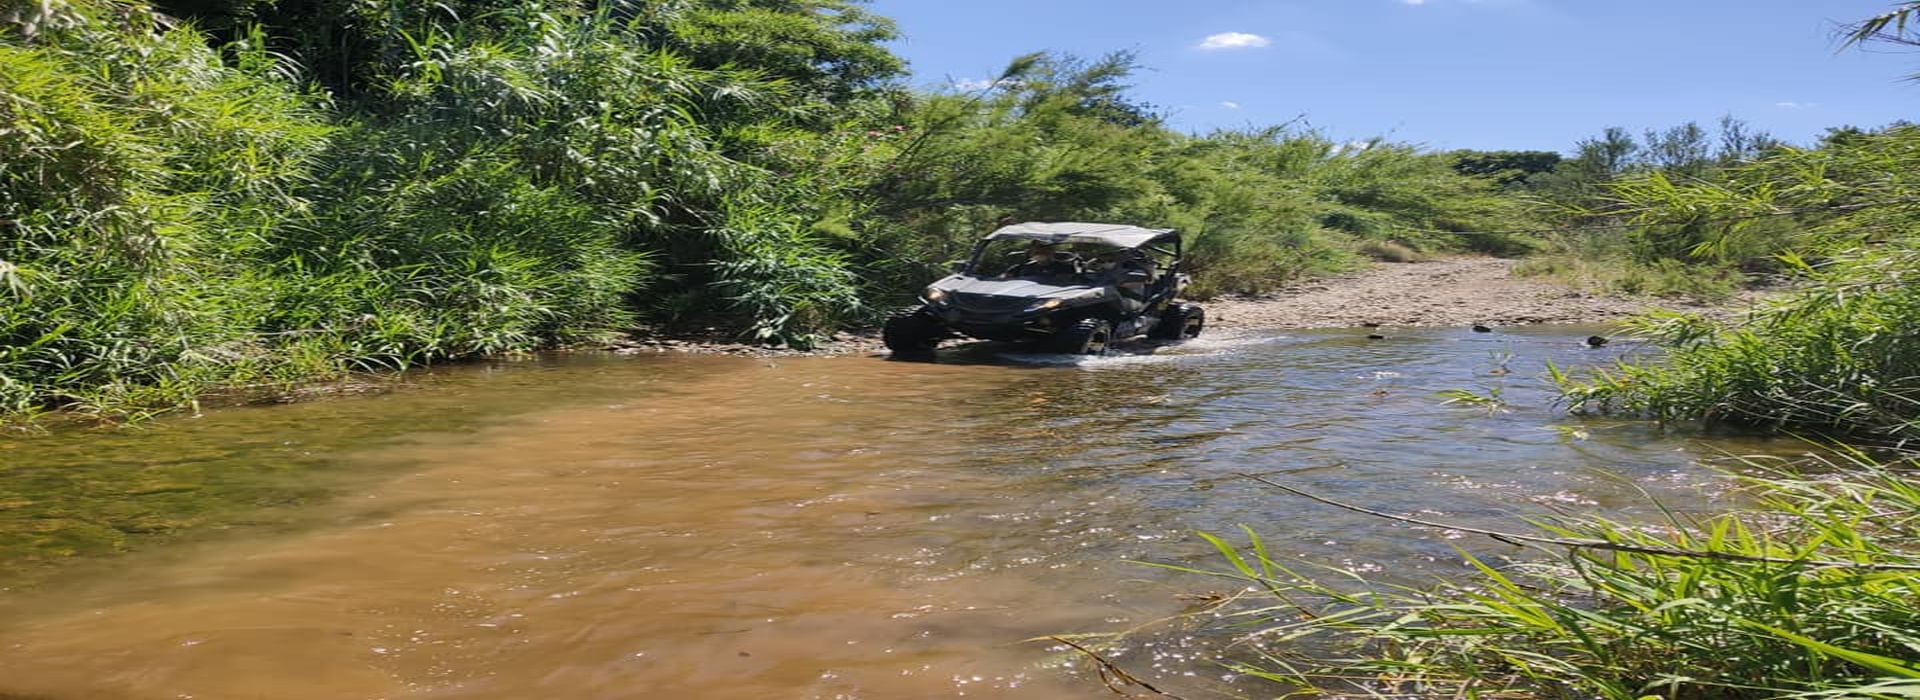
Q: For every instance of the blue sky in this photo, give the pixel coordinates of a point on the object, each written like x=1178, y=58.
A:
x=1490, y=74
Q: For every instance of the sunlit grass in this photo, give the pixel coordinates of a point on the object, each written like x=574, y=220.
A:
x=1813, y=592
x=1839, y=355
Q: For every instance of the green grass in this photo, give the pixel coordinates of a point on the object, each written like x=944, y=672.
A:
x=1601, y=273
x=1838, y=355
x=1812, y=592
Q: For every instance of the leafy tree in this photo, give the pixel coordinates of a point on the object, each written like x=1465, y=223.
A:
x=1506, y=167
x=832, y=47
x=1611, y=153
x=1739, y=143
x=1683, y=151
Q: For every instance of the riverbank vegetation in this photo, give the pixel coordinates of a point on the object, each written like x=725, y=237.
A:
x=1835, y=355
x=1639, y=214
x=202, y=195
x=244, y=195
x=1810, y=594
x=1838, y=354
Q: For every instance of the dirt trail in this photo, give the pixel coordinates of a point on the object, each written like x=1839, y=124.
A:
x=1447, y=292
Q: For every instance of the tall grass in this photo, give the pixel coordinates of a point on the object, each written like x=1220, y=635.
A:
x=136, y=168
x=1815, y=592
x=1837, y=354
x=182, y=218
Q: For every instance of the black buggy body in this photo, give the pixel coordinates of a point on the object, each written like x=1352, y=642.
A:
x=1076, y=287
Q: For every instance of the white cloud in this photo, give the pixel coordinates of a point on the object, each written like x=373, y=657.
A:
x=1233, y=40
x=1230, y=104
x=1414, y=2
x=1796, y=105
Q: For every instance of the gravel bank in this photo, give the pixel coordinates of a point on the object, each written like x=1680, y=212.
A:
x=1446, y=292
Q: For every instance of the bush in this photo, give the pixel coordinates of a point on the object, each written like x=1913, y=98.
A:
x=1673, y=278
x=139, y=171
x=183, y=219
x=1837, y=355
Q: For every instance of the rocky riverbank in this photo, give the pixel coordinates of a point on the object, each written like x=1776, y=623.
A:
x=1445, y=292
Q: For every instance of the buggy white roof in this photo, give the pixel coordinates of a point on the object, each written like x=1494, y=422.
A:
x=1070, y=232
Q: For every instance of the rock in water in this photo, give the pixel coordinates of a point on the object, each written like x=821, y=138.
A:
x=1594, y=341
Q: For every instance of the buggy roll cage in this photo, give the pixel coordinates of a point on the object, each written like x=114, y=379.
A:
x=1128, y=237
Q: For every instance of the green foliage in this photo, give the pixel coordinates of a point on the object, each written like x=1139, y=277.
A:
x=1897, y=26
x=1387, y=190
x=1054, y=138
x=1640, y=215
x=357, y=185
x=1802, y=597
x=778, y=274
x=832, y=47
x=180, y=221
x=1509, y=168
x=1837, y=353
x=1587, y=262
x=1491, y=402
x=137, y=172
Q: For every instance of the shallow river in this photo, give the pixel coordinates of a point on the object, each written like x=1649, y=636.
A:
x=714, y=527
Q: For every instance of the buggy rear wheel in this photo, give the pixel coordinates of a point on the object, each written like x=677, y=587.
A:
x=1180, y=321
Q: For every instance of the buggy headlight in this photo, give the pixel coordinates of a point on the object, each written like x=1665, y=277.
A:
x=935, y=295
x=1047, y=305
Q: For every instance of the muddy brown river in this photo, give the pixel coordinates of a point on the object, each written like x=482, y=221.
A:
x=683, y=526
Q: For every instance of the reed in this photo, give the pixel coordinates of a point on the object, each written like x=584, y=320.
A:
x=1813, y=591
x=1838, y=355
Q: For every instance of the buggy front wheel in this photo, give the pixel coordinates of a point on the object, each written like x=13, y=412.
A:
x=1088, y=337
x=910, y=331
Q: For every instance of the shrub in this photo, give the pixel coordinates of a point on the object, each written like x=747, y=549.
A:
x=1837, y=355
x=137, y=171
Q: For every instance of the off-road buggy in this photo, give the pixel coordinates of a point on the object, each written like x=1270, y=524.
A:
x=1074, y=287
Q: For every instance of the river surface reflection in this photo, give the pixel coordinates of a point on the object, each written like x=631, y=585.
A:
x=716, y=527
